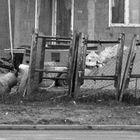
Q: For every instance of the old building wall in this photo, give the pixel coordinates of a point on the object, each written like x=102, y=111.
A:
x=4, y=23
x=85, y=16
x=103, y=31
x=25, y=20
x=92, y=18
x=45, y=19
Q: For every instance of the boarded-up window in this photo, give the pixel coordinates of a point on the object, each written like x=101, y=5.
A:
x=63, y=17
x=117, y=11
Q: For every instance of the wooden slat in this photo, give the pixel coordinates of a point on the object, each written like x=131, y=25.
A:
x=58, y=40
x=102, y=42
x=58, y=46
x=111, y=77
x=127, y=67
x=80, y=64
x=32, y=84
x=118, y=70
x=135, y=76
x=54, y=78
x=48, y=71
x=72, y=63
x=92, y=48
x=42, y=58
x=54, y=37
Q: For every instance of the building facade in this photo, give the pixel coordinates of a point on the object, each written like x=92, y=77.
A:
x=100, y=19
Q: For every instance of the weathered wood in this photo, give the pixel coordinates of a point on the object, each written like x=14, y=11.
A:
x=126, y=73
x=54, y=37
x=32, y=84
x=50, y=71
x=135, y=76
x=72, y=63
x=58, y=40
x=55, y=78
x=42, y=57
x=58, y=46
x=119, y=60
x=130, y=70
x=108, y=77
x=80, y=64
x=102, y=42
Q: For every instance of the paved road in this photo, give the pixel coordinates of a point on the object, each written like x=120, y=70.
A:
x=68, y=135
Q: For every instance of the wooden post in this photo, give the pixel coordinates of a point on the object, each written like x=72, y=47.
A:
x=80, y=64
x=32, y=80
x=126, y=73
x=42, y=58
x=72, y=63
x=119, y=61
x=32, y=83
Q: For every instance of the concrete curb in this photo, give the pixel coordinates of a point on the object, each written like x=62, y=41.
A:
x=72, y=127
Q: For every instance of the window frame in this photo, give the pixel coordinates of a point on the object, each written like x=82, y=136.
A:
x=126, y=17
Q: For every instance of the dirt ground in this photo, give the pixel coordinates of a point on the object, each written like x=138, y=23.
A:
x=91, y=107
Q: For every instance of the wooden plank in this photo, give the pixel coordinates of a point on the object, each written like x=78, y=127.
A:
x=32, y=84
x=102, y=42
x=108, y=77
x=48, y=71
x=135, y=76
x=92, y=48
x=42, y=58
x=54, y=37
x=58, y=40
x=118, y=71
x=58, y=46
x=80, y=64
x=130, y=70
x=127, y=67
x=72, y=63
x=54, y=78
x=18, y=50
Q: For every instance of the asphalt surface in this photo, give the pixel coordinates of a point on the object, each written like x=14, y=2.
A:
x=68, y=135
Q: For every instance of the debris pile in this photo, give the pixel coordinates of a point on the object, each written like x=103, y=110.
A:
x=95, y=61
x=8, y=77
